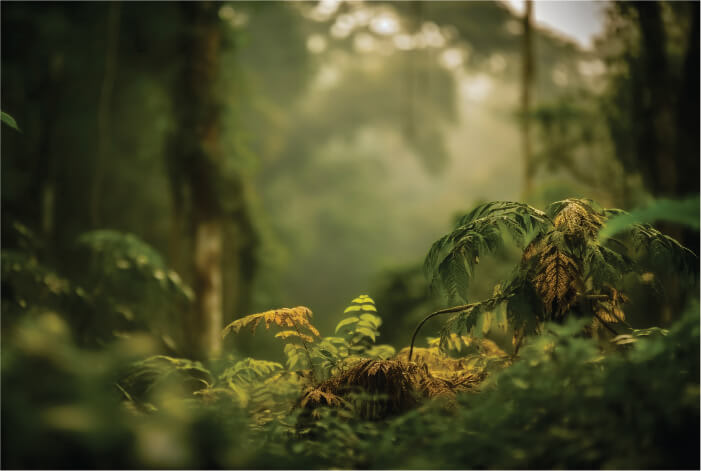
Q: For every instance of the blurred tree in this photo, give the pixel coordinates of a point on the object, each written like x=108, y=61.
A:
x=526, y=86
x=196, y=157
x=654, y=93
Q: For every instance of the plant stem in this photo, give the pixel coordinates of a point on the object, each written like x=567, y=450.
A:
x=442, y=311
x=309, y=356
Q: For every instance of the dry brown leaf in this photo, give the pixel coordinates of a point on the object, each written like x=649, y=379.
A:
x=557, y=282
x=575, y=219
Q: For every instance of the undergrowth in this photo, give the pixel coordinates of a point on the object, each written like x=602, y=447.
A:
x=566, y=399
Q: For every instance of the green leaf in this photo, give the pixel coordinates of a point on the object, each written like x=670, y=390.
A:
x=327, y=354
x=684, y=212
x=367, y=332
x=372, y=319
x=346, y=322
x=363, y=298
x=9, y=120
x=352, y=308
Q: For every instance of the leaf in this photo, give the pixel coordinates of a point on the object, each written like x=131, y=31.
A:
x=297, y=317
x=557, y=281
x=577, y=217
x=9, y=120
x=293, y=334
x=362, y=299
x=346, y=322
x=247, y=371
x=450, y=261
x=367, y=332
x=372, y=319
x=352, y=308
x=327, y=354
x=684, y=212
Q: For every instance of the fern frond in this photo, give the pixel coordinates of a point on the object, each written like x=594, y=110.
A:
x=609, y=309
x=450, y=261
x=296, y=318
x=247, y=371
x=145, y=375
x=361, y=329
x=316, y=397
x=605, y=265
x=662, y=252
x=465, y=320
x=557, y=281
x=294, y=335
x=577, y=217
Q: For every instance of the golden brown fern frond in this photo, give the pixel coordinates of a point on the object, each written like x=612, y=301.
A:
x=576, y=218
x=609, y=310
x=557, y=281
x=293, y=335
x=295, y=318
x=316, y=397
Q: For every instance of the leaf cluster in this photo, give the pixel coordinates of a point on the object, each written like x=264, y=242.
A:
x=566, y=268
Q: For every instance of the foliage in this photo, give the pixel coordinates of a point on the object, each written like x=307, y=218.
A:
x=683, y=212
x=564, y=403
x=564, y=268
x=116, y=284
x=296, y=318
x=452, y=258
x=9, y=120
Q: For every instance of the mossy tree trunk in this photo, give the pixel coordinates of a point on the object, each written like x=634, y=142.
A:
x=195, y=162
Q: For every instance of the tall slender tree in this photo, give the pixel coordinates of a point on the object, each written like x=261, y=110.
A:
x=195, y=160
x=528, y=73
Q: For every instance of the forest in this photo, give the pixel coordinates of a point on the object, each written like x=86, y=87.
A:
x=347, y=234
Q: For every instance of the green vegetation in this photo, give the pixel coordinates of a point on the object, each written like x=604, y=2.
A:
x=168, y=169
x=563, y=269
x=565, y=400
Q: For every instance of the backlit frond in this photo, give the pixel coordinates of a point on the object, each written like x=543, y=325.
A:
x=577, y=217
x=557, y=281
x=450, y=261
x=294, y=335
x=295, y=318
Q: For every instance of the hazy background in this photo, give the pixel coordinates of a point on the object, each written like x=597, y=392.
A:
x=352, y=133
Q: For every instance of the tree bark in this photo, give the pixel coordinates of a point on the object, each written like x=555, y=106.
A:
x=657, y=139
x=104, y=110
x=195, y=161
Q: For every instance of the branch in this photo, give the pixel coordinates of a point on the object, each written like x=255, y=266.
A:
x=442, y=311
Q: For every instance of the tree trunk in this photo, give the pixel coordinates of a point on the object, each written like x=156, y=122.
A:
x=195, y=161
x=657, y=143
x=526, y=86
x=104, y=110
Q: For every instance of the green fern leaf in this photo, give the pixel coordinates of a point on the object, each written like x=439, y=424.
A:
x=450, y=261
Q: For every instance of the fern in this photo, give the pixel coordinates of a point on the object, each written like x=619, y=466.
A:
x=297, y=318
x=248, y=371
x=361, y=328
x=450, y=261
x=576, y=217
x=161, y=370
x=566, y=265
